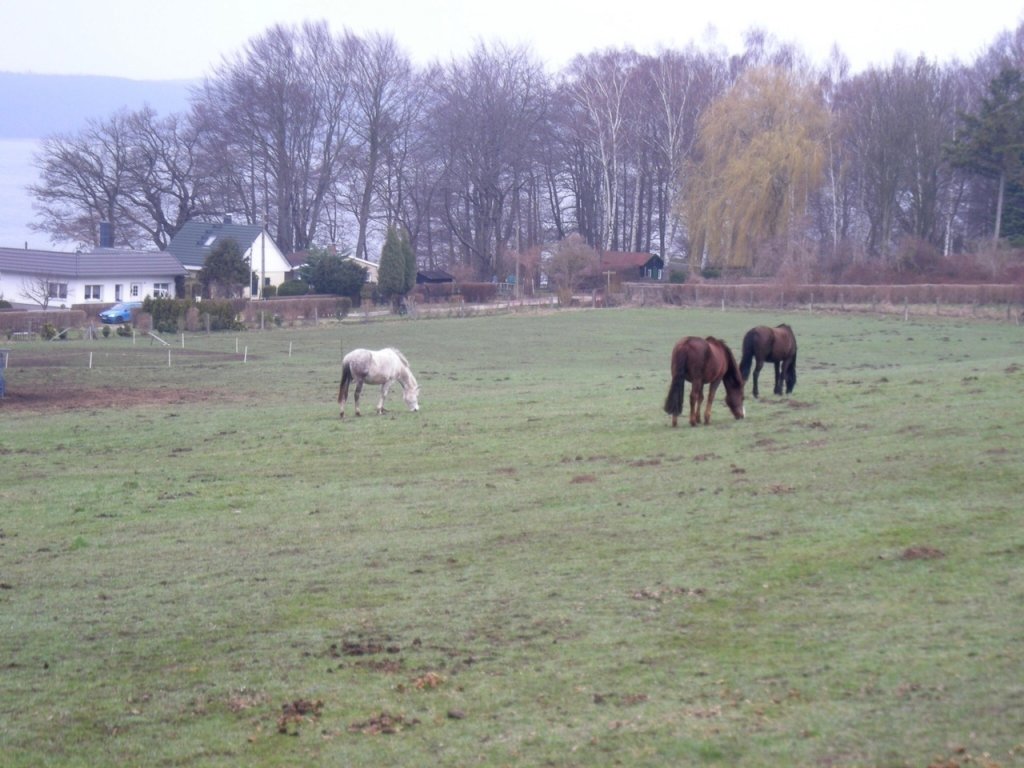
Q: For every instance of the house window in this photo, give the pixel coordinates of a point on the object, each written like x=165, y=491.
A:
x=58, y=290
x=117, y=292
x=135, y=290
x=161, y=290
x=94, y=292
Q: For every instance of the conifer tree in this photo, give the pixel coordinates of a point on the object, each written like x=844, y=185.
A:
x=392, y=275
x=991, y=142
x=225, y=270
x=410, y=261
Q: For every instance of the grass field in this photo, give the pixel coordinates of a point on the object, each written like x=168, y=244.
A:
x=201, y=565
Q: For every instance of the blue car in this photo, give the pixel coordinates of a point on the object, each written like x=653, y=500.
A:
x=120, y=313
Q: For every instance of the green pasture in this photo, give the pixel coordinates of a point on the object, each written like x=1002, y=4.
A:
x=201, y=565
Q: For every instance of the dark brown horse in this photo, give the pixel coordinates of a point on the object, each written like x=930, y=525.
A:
x=703, y=361
x=772, y=345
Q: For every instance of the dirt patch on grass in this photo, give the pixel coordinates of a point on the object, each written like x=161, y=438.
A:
x=297, y=713
x=22, y=395
x=383, y=722
x=52, y=398
x=921, y=553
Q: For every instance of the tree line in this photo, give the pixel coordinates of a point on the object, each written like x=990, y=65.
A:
x=755, y=161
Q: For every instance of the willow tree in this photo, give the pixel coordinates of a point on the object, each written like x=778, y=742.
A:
x=760, y=154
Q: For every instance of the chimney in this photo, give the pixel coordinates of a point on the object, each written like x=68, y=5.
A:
x=106, y=235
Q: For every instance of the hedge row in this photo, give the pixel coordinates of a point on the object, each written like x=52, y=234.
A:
x=176, y=315
x=472, y=293
x=781, y=295
x=294, y=309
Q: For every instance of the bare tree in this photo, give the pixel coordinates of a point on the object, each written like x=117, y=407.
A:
x=382, y=106
x=164, y=185
x=681, y=87
x=879, y=139
x=485, y=118
x=572, y=260
x=83, y=179
x=42, y=288
x=275, y=121
x=598, y=87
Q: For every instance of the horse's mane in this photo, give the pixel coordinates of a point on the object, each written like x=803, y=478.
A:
x=732, y=370
x=409, y=377
x=400, y=356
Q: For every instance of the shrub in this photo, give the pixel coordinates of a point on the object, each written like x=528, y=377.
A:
x=192, y=322
x=437, y=291
x=4, y=304
x=678, y=276
x=478, y=293
x=369, y=293
x=106, y=331
x=222, y=315
x=48, y=331
x=169, y=315
x=293, y=288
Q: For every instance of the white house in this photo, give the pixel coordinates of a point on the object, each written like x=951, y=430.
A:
x=194, y=241
x=30, y=278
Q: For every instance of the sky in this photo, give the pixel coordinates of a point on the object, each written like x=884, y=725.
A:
x=187, y=39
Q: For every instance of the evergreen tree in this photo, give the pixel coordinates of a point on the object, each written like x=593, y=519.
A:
x=410, y=261
x=225, y=271
x=393, y=274
x=991, y=142
x=328, y=272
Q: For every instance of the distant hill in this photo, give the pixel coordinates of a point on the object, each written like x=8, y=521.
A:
x=34, y=106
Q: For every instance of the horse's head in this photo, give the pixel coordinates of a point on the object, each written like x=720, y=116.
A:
x=411, y=395
x=734, y=399
x=734, y=382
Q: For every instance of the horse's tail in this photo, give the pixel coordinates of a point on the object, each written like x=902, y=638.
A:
x=749, y=349
x=674, y=399
x=791, y=374
x=346, y=379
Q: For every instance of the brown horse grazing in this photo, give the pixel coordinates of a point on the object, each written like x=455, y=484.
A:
x=703, y=361
x=773, y=345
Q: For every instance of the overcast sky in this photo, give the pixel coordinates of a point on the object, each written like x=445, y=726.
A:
x=186, y=39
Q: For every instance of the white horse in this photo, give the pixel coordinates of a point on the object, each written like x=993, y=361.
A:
x=382, y=366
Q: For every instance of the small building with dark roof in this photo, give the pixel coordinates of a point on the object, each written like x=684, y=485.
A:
x=433, y=277
x=632, y=265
